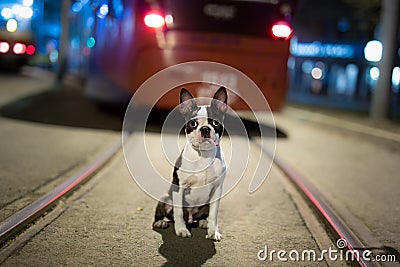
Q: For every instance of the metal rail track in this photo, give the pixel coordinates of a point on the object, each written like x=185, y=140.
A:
x=337, y=227
x=17, y=222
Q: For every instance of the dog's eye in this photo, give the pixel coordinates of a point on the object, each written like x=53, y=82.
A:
x=193, y=124
x=215, y=123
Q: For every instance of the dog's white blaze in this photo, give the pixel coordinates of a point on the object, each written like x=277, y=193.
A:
x=202, y=112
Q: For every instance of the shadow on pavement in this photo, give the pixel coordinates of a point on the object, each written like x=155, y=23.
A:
x=67, y=106
x=178, y=251
x=156, y=122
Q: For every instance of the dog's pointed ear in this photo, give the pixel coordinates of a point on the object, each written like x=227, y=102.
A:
x=188, y=104
x=220, y=100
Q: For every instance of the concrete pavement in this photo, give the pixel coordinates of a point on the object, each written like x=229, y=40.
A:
x=355, y=172
x=36, y=157
x=109, y=224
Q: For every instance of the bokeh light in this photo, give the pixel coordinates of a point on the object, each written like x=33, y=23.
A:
x=12, y=25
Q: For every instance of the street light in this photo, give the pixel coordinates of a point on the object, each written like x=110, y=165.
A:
x=373, y=51
x=12, y=25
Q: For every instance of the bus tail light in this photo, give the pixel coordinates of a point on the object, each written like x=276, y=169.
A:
x=19, y=48
x=281, y=29
x=30, y=50
x=154, y=20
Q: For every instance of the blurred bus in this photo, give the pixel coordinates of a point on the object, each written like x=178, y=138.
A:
x=132, y=40
x=17, y=42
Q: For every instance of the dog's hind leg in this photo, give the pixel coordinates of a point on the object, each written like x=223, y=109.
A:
x=201, y=216
x=159, y=216
x=163, y=211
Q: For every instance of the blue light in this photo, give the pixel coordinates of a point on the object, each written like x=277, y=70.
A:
x=75, y=43
x=317, y=49
x=396, y=79
x=27, y=3
x=118, y=8
x=76, y=7
x=307, y=66
x=90, y=22
x=343, y=25
x=26, y=12
x=6, y=13
x=374, y=73
x=91, y=42
x=103, y=11
x=53, y=56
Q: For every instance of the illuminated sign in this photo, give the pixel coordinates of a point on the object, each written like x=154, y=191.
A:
x=317, y=49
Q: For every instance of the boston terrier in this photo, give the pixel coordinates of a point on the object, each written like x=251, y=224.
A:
x=199, y=171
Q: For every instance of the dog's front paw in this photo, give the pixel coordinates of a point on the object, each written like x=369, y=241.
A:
x=161, y=224
x=214, y=235
x=182, y=232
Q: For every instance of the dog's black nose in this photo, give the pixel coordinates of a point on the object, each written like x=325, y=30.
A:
x=205, y=131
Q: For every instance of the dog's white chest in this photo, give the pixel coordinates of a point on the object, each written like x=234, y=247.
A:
x=201, y=177
x=205, y=172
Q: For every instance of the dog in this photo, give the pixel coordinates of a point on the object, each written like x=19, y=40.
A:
x=199, y=171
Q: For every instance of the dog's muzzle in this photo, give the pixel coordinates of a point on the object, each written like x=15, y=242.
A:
x=205, y=131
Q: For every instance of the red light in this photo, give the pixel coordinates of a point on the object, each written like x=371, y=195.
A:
x=281, y=29
x=30, y=50
x=154, y=20
x=19, y=48
x=4, y=47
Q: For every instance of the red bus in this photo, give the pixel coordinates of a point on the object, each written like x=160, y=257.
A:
x=133, y=40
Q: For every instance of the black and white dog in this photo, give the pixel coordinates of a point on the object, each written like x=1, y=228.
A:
x=199, y=170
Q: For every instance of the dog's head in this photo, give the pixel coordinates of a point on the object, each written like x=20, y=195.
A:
x=204, y=124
